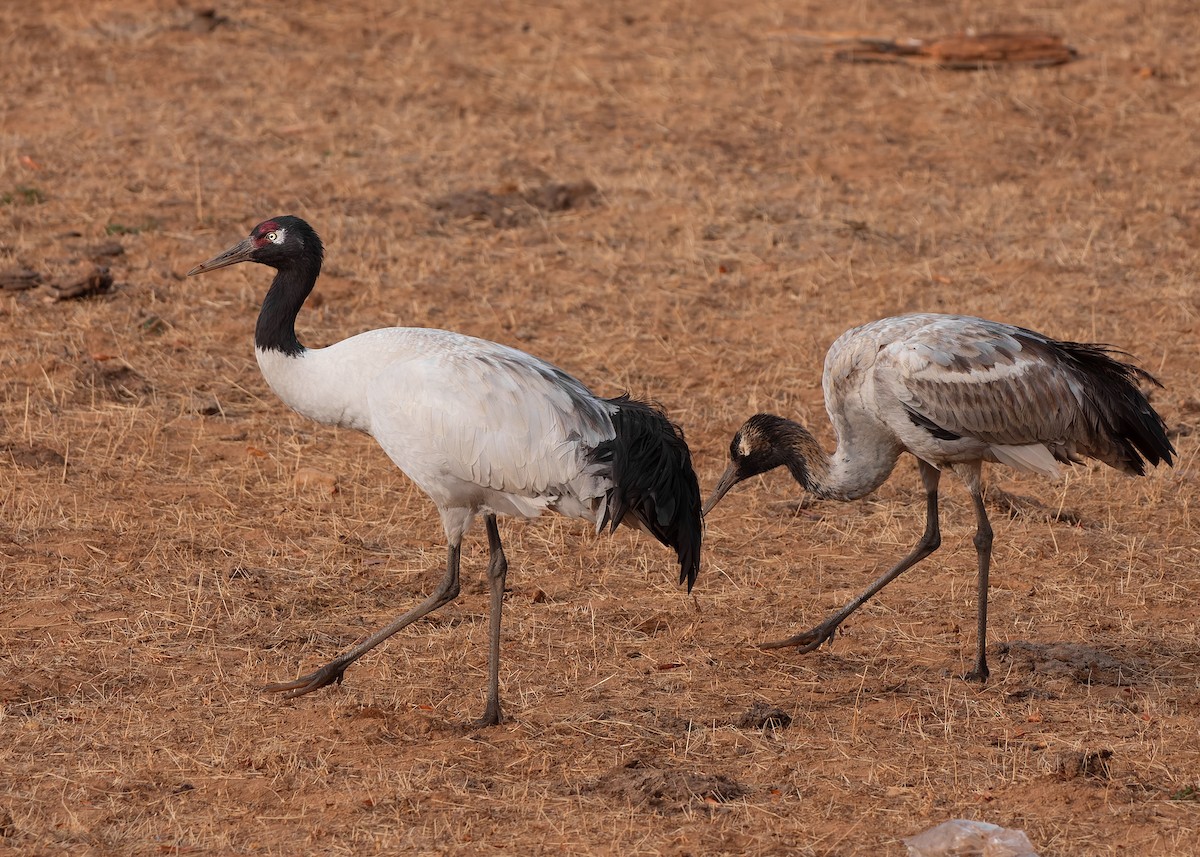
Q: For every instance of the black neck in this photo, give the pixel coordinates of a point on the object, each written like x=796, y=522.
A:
x=276, y=327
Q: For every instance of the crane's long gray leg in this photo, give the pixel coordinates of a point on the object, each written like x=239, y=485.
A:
x=497, y=572
x=930, y=541
x=446, y=592
x=983, y=547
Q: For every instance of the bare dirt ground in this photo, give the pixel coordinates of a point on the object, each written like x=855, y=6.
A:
x=170, y=534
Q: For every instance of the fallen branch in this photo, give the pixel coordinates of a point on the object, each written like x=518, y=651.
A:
x=960, y=51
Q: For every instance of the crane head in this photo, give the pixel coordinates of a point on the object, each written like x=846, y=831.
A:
x=280, y=242
x=758, y=446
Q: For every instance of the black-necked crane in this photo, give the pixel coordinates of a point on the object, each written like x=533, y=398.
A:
x=482, y=428
x=953, y=391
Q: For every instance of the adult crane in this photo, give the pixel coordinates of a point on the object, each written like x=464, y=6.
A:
x=482, y=428
x=954, y=391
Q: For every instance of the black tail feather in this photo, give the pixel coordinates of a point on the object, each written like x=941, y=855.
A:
x=1127, y=418
x=653, y=480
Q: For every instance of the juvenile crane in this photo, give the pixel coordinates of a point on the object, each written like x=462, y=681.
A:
x=482, y=428
x=954, y=391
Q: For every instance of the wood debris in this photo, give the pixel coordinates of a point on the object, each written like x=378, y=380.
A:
x=966, y=51
x=19, y=279
x=88, y=280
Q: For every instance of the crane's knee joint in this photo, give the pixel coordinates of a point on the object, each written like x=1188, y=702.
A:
x=446, y=594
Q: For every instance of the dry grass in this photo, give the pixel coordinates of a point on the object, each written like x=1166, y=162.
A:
x=755, y=199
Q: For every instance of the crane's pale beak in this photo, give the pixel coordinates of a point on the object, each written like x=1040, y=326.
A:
x=732, y=476
x=239, y=252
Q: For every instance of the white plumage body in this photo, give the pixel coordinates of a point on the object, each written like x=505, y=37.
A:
x=476, y=425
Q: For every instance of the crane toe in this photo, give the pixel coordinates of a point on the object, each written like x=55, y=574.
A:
x=979, y=674
x=491, y=717
x=805, y=642
x=326, y=675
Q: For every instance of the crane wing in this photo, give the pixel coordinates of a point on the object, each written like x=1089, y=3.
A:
x=960, y=377
x=486, y=415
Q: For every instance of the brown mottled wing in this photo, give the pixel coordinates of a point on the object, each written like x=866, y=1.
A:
x=993, y=382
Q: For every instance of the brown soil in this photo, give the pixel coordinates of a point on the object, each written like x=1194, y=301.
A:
x=688, y=201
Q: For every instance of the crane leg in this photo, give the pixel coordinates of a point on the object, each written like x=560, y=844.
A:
x=497, y=572
x=446, y=592
x=812, y=639
x=983, y=547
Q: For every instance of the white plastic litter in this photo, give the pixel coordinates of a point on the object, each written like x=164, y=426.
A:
x=961, y=837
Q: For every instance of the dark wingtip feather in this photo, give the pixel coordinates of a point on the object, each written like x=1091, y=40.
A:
x=1129, y=420
x=653, y=480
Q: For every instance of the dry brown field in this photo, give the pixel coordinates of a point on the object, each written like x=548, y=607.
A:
x=172, y=537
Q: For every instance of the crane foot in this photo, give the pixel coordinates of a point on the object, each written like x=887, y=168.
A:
x=326, y=675
x=808, y=641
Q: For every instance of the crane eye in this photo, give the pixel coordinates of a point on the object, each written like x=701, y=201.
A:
x=273, y=237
